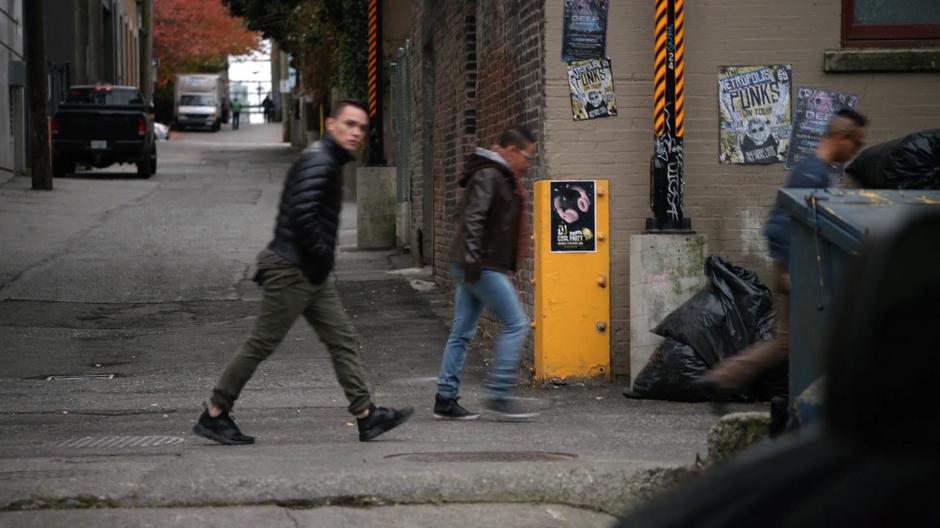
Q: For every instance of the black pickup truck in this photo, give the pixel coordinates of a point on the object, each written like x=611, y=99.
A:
x=102, y=125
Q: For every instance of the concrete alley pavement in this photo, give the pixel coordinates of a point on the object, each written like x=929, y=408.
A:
x=121, y=301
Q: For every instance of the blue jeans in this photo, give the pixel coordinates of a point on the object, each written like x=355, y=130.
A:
x=495, y=291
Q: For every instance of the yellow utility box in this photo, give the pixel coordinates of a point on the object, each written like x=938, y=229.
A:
x=572, y=286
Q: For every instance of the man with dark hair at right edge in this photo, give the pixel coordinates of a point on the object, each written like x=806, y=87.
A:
x=492, y=240
x=294, y=271
x=844, y=136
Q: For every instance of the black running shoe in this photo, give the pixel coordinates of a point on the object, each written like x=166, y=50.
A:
x=508, y=409
x=380, y=420
x=221, y=429
x=449, y=409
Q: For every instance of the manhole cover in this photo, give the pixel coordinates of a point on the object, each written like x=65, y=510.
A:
x=44, y=474
x=487, y=456
x=117, y=442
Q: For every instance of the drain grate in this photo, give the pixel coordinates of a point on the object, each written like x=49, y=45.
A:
x=486, y=456
x=117, y=442
x=79, y=377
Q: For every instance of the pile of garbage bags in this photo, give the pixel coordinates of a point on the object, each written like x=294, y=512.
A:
x=910, y=162
x=733, y=311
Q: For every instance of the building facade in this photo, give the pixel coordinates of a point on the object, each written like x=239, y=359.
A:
x=92, y=41
x=12, y=89
x=477, y=66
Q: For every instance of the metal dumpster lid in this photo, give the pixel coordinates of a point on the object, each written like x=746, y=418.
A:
x=859, y=213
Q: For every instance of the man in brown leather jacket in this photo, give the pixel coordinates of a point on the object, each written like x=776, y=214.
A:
x=491, y=240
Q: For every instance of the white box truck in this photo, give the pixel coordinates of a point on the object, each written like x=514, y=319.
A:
x=200, y=100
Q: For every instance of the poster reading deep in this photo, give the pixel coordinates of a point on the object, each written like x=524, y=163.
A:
x=592, y=89
x=573, y=216
x=814, y=108
x=585, y=30
x=754, y=108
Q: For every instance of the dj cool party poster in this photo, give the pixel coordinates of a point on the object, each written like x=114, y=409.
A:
x=574, y=219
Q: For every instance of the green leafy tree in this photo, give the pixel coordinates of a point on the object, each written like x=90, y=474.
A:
x=327, y=39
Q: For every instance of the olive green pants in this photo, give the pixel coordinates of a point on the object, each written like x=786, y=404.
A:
x=288, y=295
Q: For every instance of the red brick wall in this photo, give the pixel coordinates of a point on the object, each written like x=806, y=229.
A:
x=488, y=74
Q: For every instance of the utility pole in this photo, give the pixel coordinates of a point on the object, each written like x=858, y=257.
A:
x=146, y=49
x=375, y=85
x=40, y=165
x=666, y=168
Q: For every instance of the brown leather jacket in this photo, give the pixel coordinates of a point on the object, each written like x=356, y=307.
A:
x=489, y=215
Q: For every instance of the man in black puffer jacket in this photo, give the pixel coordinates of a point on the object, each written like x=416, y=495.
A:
x=294, y=272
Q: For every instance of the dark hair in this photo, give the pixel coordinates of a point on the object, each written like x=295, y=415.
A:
x=343, y=103
x=518, y=135
x=857, y=118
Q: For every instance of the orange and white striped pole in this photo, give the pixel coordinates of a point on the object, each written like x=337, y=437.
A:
x=374, y=85
x=666, y=168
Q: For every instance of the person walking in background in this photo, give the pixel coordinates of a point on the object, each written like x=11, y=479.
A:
x=294, y=271
x=843, y=138
x=268, y=105
x=236, y=112
x=492, y=240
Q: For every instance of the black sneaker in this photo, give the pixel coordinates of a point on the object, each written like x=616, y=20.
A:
x=221, y=429
x=380, y=420
x=508, y=409
x=449, y=409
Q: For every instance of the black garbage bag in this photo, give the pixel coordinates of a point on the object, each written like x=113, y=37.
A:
x=670, y=374
x=732, y=312
x=911, y=162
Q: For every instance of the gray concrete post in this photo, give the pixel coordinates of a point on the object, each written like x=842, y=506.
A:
x=376, y=207
x=665, y=271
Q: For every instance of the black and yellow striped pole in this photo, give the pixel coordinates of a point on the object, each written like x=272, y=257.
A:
x=375, y=87
x=666, y=167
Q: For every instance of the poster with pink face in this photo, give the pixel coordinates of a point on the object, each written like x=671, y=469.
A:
x=574, y=219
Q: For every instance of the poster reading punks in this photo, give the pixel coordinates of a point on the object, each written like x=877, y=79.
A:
x=754, y=108
x=814, y=109
x=592, y=89
x=585, y=30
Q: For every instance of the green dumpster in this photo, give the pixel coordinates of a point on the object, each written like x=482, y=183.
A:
x=828, y=228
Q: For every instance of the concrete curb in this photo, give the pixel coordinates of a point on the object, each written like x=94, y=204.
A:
x=610, y=489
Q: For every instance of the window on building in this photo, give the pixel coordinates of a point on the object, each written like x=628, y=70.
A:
x=890, y=23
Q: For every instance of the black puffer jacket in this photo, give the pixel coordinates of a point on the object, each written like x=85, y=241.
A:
x=308, y=217
x=487, y=237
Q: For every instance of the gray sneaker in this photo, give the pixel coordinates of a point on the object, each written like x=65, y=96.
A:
x=508, y=409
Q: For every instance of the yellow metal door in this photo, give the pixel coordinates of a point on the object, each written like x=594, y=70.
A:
x=572, y=287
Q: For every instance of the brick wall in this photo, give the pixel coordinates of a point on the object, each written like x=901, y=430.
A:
x=728, y=203
x=487, y=74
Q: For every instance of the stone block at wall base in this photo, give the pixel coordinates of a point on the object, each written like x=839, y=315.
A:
x=665, y=271
x=376, y=209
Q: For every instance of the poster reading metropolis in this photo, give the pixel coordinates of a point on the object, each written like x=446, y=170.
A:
x=592, y=89
x=574, y=222
x=814, y=108
x=754, y=113
x=585, y=30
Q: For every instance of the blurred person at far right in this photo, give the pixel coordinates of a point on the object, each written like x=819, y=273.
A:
x=844, y=137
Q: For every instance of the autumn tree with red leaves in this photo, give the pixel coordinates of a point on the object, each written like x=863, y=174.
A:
x=196, y=36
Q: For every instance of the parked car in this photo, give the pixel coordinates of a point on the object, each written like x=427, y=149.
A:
x=102, y=125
